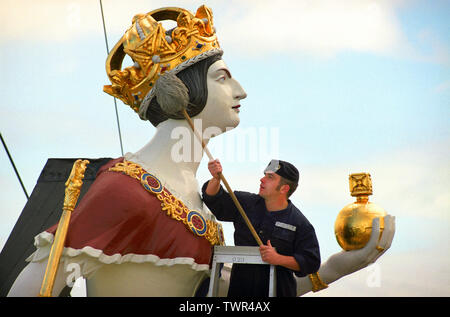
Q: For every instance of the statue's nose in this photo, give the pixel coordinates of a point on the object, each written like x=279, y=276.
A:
x=239, y=92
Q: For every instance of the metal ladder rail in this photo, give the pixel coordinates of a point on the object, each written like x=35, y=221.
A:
x=240, y=255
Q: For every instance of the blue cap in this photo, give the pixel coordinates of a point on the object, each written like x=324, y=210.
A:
x=284, y=169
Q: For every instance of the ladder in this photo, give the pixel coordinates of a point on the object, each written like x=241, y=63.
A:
x=240, y=255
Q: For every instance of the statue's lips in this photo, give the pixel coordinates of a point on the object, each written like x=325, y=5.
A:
x=236, y=107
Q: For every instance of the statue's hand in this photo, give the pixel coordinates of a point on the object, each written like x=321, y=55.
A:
x=347, y=262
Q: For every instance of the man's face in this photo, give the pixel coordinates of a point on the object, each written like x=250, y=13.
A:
x=269, y=186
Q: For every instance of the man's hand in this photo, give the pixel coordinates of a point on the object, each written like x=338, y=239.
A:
x=271, y=256
x=346, y=262
x=215, y=168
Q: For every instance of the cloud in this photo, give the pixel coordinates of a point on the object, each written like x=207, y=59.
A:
x=410, y=182
x=253, y=27
x=65, y=20
x=43, y=21
x=317, y=27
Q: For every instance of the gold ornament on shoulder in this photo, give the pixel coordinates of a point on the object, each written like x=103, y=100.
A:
x=171, y=205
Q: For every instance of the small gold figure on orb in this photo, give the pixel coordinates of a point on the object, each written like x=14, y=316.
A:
x=353, y=225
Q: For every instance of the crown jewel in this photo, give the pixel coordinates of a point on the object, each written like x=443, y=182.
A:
x=155, y=51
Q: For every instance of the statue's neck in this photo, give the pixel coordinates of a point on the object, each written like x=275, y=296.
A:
x=174, y=155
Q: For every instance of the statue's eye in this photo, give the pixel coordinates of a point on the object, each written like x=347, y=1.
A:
x=221, y=79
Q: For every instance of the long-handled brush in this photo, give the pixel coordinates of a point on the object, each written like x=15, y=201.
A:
x=173, y=97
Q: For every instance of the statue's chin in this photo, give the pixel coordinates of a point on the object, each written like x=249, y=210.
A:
x=237, y=121
x=213, y=131
x=233, y=122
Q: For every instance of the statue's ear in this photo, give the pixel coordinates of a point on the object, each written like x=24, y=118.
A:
x=171, y=94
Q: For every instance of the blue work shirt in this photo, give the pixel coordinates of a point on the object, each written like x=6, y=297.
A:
x=288, y=231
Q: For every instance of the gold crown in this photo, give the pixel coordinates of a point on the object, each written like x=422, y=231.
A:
x=155, y=51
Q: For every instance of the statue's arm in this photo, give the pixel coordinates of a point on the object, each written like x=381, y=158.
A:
x=347, y=262
x=28, y=283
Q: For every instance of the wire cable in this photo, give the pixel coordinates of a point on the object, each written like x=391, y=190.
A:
x=115, y=102
x=14, y=166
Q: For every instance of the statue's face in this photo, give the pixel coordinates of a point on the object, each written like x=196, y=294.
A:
x=223, y=104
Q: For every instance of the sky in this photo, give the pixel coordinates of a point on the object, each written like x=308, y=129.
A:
x=335, y=87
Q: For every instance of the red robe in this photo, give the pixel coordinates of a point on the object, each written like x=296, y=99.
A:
x=118, y=217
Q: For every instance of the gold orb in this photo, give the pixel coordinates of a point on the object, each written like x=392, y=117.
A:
x=353, y=225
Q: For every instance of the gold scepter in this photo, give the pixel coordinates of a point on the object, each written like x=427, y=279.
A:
x=173, y=97
x=73, y=188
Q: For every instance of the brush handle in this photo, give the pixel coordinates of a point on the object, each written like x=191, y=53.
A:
x=225, y=182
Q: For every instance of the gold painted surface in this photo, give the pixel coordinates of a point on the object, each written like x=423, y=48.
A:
x=156, y=50
x=360, y=184
x=72, y=192
x=353, y=225
x=129, y=168
x=317, y=283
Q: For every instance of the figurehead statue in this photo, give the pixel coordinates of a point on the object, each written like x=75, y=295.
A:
x=142, y=229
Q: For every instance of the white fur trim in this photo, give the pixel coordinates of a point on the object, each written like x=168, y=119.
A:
x=91, y=259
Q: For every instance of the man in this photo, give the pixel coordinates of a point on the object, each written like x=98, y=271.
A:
x=290, y=240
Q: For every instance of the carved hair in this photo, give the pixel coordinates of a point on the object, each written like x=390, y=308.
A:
x=194, y=77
